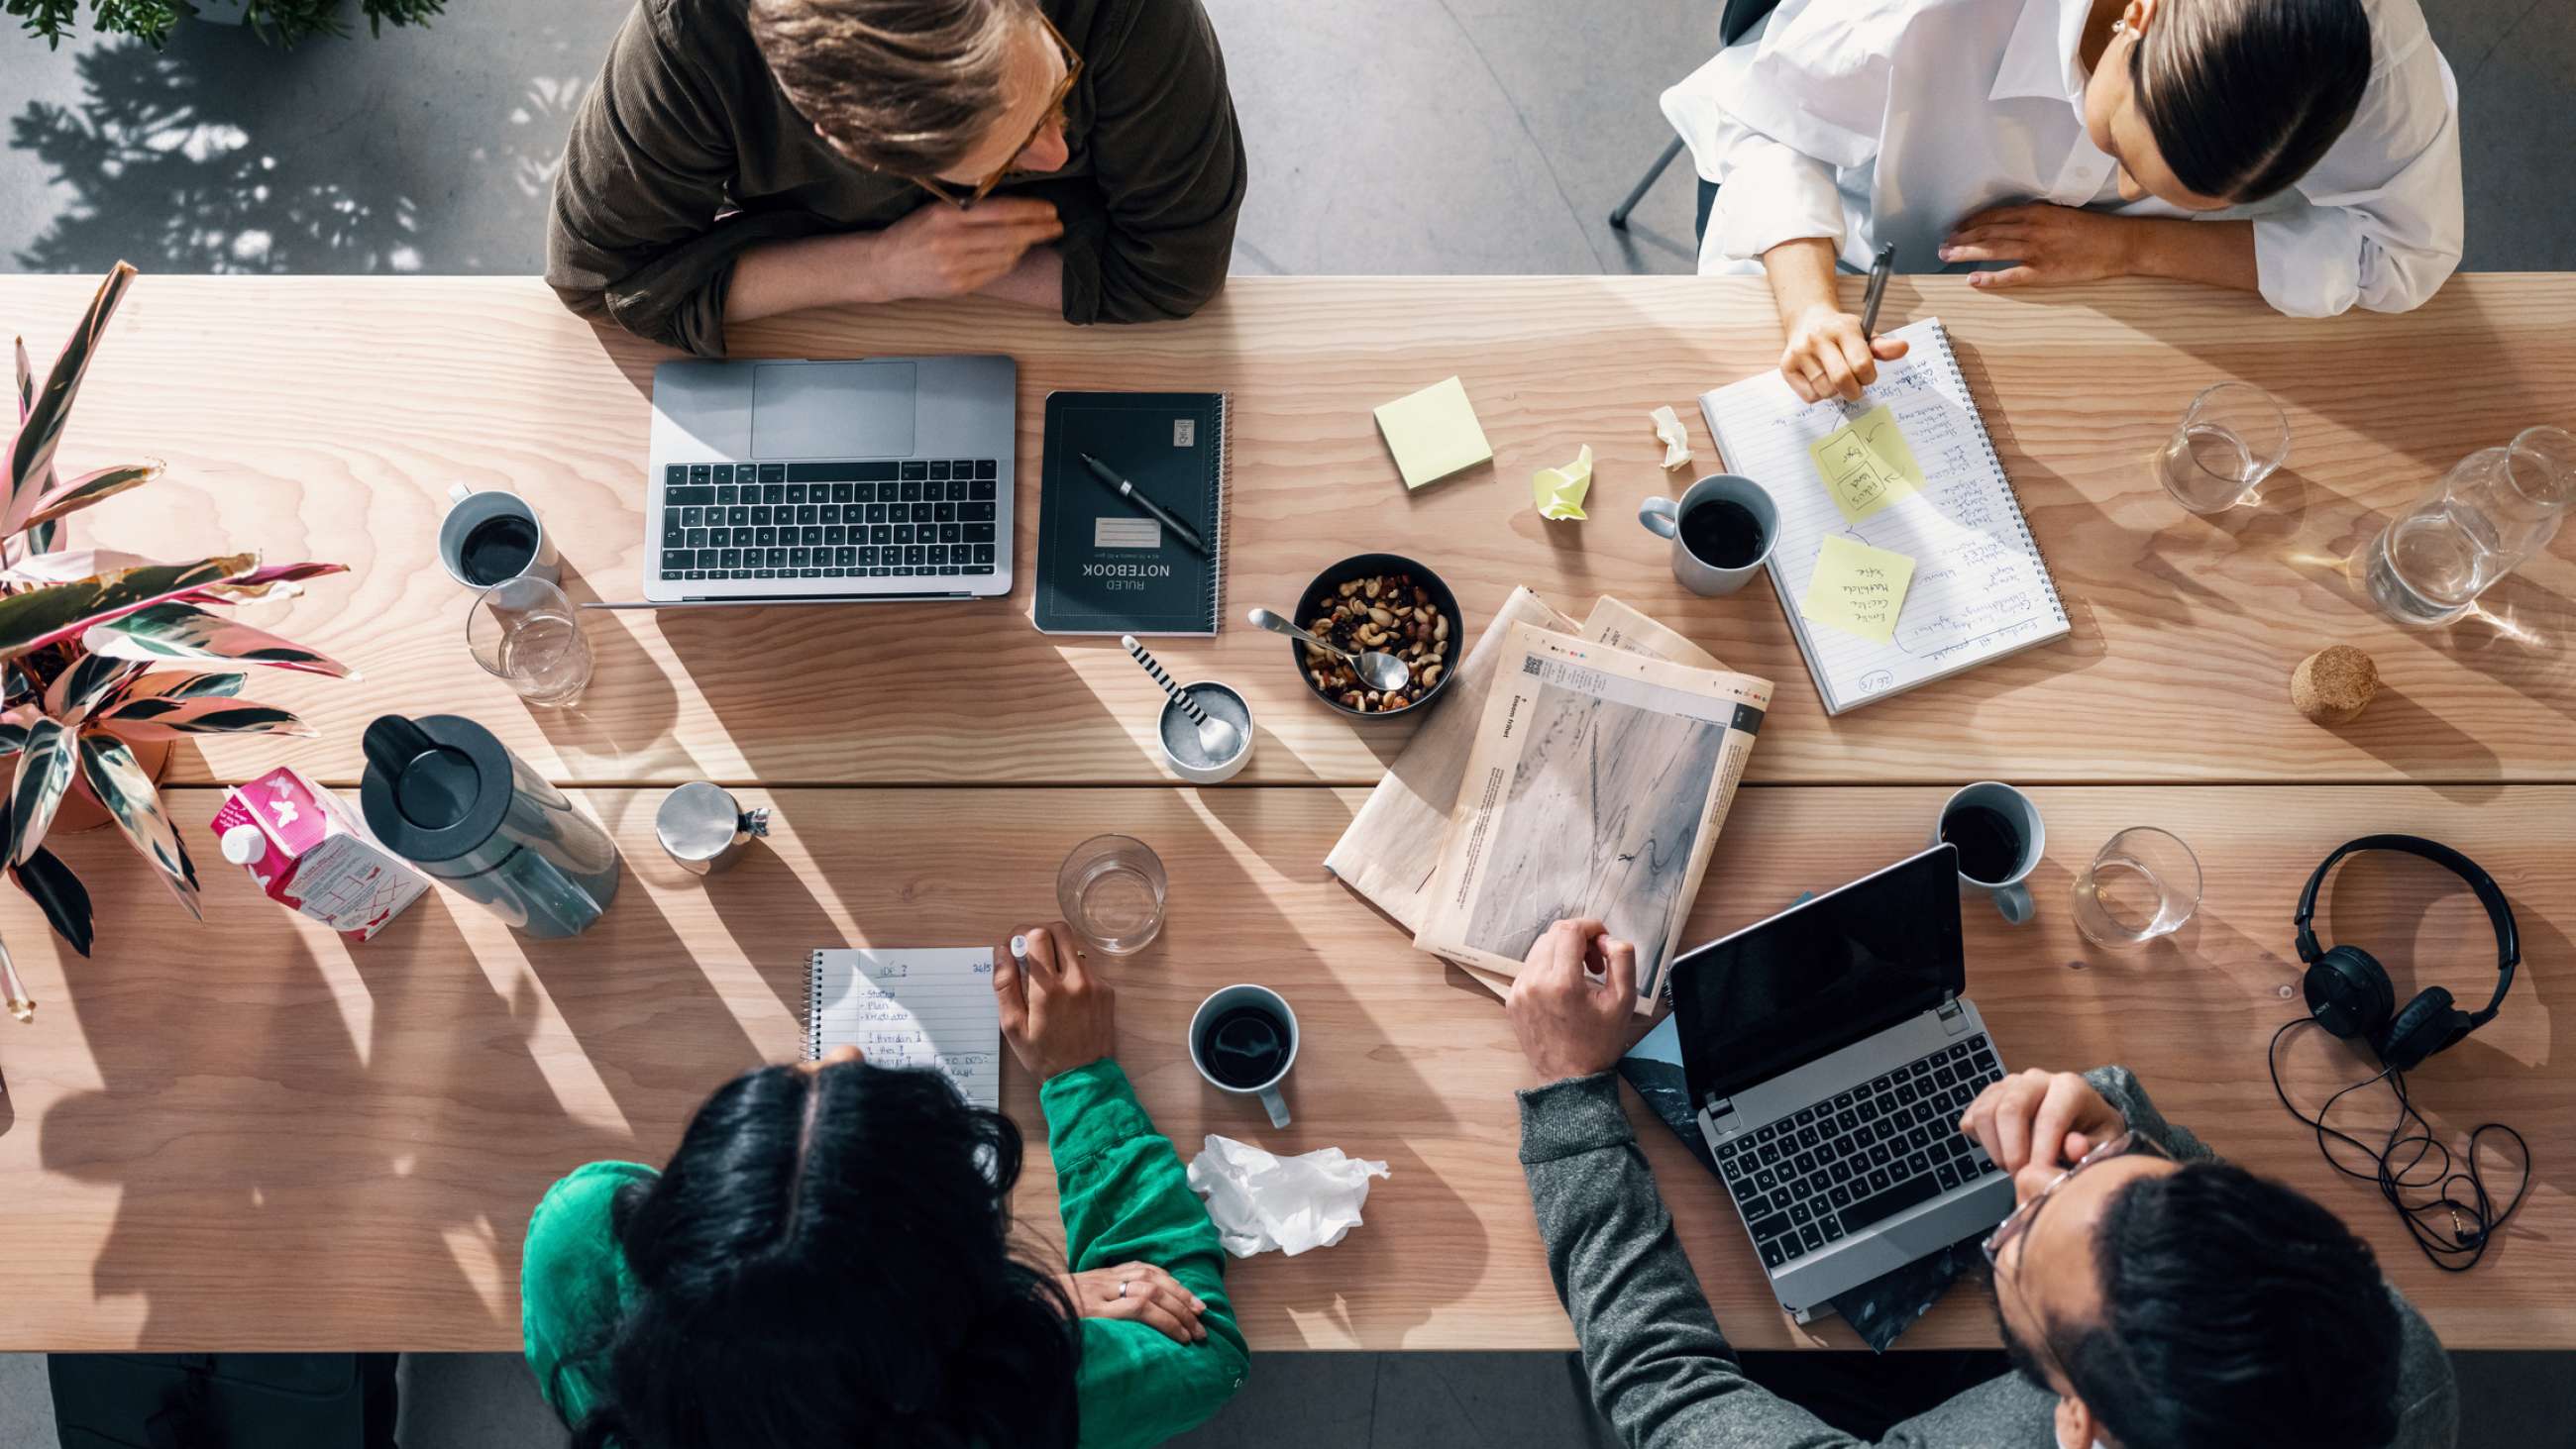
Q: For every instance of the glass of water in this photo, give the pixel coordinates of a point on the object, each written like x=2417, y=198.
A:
x=2143, y=884
x=2495, y=508
x=1112, y=889
x=2231, y=438
x=528, y=633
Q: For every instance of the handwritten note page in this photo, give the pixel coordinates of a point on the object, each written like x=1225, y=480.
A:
x=1979, y=588
x=1866, y=464
x=1857, y=589
x=915, y=1008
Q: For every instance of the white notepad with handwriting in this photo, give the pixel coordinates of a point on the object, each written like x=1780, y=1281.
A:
x=1980, y=588
x=915, y=1008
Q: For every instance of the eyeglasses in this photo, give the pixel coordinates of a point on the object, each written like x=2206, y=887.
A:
x=1053, y=115
x=2014, y=1226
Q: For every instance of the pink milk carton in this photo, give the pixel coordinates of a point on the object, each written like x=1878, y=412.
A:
x=309, y=852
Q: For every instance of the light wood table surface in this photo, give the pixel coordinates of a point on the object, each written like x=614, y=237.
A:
x=249, y=1135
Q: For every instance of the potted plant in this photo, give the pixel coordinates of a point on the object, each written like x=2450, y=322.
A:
x=88, y=643
x=279, y=22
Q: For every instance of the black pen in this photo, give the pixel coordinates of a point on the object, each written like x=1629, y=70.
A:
x=1878, y=274
x=1128, y=491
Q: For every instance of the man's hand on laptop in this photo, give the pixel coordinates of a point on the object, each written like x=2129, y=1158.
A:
x=2048, y=1118
x=1574, y=1004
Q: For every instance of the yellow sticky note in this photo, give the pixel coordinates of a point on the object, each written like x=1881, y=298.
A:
x=1558, y=492
x=1866, y=464
x=1857, y=589
x=1433, y=433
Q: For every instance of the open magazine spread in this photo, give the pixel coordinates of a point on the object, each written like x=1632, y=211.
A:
x=1596, y=786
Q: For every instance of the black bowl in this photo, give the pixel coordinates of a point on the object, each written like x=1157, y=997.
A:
x=1363, y=566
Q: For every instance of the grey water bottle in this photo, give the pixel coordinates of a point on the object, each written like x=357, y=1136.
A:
x=445, y=794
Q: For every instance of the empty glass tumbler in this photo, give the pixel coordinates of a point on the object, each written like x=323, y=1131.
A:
x=2495, y=508
x=2231, y=438
x=2142, y=884
x=528, y=633
x=1112, y=889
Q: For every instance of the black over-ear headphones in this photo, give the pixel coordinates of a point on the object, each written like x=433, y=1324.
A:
x=2348, y=990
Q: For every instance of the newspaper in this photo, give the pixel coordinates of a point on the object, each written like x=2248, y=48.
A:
x=1596, y=786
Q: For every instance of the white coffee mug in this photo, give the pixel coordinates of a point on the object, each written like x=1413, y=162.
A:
x=1225, y=1000
x=1663, y=517
x=466, y=509
x=2011, y=895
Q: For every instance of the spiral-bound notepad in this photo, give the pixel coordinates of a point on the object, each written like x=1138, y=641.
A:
x=911, y=1008
x=1980, y=589
x=1106, y=566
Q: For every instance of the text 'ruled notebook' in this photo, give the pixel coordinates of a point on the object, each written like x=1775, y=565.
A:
x=918, y=1008
x=1106, y=566
x=1980, y=589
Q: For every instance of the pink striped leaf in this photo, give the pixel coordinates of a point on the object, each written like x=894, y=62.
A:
x=184, y=631
x=122, y=785
x=31, y=454
x=38, y=617
x=138, y=720
x=45, y=767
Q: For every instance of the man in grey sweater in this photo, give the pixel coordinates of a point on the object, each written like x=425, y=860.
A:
x=2151, y=1296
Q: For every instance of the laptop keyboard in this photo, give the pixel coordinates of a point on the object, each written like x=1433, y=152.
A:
x=869, y=518
x=1832, y=1169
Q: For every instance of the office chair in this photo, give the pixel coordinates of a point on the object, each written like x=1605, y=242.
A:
x=1738, y=17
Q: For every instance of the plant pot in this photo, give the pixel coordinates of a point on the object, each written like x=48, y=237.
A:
x=80, y=809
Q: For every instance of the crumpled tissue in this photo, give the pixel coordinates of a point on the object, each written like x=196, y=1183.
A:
x=1558, y=492
x=1260, y=1201
x=1668, y=428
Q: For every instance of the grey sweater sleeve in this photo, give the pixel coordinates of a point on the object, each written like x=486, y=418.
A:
x=1659, y=1367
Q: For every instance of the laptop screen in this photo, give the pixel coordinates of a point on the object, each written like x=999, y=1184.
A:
x=1820, y=975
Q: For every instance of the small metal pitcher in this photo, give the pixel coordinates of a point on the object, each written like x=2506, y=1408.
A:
x=703, y=827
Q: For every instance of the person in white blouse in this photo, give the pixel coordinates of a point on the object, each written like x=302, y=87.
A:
x=2304, y=149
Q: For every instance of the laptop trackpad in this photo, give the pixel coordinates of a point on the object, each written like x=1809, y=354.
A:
x=832, y=410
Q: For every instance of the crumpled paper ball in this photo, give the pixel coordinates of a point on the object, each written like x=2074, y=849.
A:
x=1260, y=1201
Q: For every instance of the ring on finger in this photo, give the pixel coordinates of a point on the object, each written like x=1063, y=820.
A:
x=1124, y=1284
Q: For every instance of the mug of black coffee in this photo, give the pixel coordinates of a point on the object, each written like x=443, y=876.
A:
x=1722, y=531
x=1243, y=1039
x=492, y=538
x=1997, y=832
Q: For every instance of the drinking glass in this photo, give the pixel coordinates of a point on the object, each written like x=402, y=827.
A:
x=527, y=632
x=2230, y=439
x=2495, y=508
x=2142, y=884
x=1111, y=889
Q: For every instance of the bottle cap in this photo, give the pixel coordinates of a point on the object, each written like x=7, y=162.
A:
x=245, y=844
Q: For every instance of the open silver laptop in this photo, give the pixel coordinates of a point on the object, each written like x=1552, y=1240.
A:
x=1830, y=1051
x=778, y=482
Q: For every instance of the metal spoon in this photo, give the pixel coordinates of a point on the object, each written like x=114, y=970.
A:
x=1383, y=672
x=1216, y=736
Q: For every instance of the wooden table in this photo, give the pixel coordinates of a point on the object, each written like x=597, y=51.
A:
x=248, y=1135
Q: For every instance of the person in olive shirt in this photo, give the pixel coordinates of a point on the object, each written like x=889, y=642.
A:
x=740, y=158
x=826, y=1260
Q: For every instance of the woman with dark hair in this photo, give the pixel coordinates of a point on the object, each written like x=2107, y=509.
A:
x=826, y=1261
x=2308, y=150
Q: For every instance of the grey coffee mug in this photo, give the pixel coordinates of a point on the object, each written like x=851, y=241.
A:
x=1663, y=517
x=1222, y=1001
x=467, y=508
x=2011, y=895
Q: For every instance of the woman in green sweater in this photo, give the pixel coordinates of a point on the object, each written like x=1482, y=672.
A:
x=826, y=1261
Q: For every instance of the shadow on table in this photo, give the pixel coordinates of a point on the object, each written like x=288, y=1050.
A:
x=349, y=1148
x=626, y=716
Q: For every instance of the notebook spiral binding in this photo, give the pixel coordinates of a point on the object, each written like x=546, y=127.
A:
x=2012, y=496
x=814, y=1008
x=1221, y=498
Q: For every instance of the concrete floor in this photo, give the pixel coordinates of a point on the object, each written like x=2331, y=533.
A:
x=1387, y=136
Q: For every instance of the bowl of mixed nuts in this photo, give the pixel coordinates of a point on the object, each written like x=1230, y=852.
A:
x=1386, y=602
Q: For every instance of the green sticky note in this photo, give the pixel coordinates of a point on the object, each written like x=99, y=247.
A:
x=1857, y=589
x=1866, y=464
x=1433, y=433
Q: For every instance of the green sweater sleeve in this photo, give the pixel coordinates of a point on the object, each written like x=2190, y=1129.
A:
x=1126, y=1198
x=573, y=1283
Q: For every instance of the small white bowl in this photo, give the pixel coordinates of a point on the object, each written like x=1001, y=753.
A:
x=1221, y=701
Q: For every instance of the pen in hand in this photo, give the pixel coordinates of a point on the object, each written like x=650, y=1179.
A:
x=1879, y=270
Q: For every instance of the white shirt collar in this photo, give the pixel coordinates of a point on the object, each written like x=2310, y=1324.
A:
x=2039, y=60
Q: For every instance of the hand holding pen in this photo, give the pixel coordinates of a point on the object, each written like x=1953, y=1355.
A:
x=1830, y=352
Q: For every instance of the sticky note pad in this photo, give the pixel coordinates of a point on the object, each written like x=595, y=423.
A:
x=1866, y=464
x=1857, y=589
x=1433, y=433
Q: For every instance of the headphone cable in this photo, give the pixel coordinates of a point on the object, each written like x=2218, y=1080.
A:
x=2474, y=1221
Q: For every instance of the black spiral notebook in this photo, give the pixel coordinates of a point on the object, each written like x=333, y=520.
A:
x=1106, y=566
